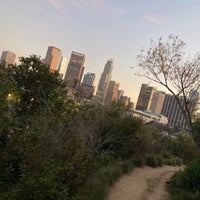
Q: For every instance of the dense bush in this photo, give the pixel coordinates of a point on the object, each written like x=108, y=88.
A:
x=153, y=160
x=173, y=161
x=186, y=184
x=150, y=160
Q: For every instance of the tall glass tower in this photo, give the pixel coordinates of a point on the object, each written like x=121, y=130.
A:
x=104, y=81
x=75, y=70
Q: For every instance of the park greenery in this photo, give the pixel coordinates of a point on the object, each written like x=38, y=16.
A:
x=53, y=147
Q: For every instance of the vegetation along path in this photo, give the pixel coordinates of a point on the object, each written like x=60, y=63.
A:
x=143, y=184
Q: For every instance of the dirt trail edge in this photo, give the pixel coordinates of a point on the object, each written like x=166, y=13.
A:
x=143, y=184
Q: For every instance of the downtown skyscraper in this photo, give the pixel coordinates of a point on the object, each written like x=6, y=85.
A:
x=145, y=97
x=86, y=89
x=89, y=78
x=104, y=81
x=53, y=57
x=62, y=67
x=8, y=57
x=157, y=102
x=171, y=109
x=112, y=93
x=75, y=70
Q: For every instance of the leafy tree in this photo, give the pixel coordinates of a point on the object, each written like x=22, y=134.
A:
x=33, y=132
x=165, y=64
x=35, y=83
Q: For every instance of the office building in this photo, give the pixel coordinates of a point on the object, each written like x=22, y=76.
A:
x=89, y=78
x=86, y=89
x=145, y=97
x=194, y=103
x=53, y=57
x=125, y=100
x=112, y=93
x=157, y=102
x=62, y=67
x=131, y=106
x=173, y=112
x=75, y=70
x=104, y=81
x=120, y=93
x=8, y=57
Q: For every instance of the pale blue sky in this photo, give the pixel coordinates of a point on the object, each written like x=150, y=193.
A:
x=100, y=29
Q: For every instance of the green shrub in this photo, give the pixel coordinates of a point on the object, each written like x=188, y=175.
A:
x=159, y=161
x=178, y=161
x=150, y=160
x=186, y=184
x=138, y=162
x=126, y=166
x=173, y=161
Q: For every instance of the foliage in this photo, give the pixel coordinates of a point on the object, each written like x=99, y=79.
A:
x=173, y=161
x=150, y=160
x=186, y=183
x=153, y=160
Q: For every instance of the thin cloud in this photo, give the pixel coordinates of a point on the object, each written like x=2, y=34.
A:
x=118, y=11
x=56, y=3
x=155, y=20
x=100, y=5
x=75, y=3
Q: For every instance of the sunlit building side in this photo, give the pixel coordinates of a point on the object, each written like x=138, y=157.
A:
x=157, y=102
x=8, y=57
x=145, y=97
x=53, y=57
x=112, y=93
x=104, y=81
x=62, y=67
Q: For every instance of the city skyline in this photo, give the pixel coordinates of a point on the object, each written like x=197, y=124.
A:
x=100, y=29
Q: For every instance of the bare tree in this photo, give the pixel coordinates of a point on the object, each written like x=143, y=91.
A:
x=165, y=64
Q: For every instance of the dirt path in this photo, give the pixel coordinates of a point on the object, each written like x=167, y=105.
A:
x=143, y=184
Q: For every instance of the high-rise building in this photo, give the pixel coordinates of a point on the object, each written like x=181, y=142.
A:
x=75, y=70
x=125, y=100
x=120, y=93
x=104, y=81
x=89, y=78
x=53, y=57
x=172, y=111
x=86, y=89
x=62, y=67
x=112, y=93
x=8, y=57
x=194, y=103
x=157, y=102
x=145, y=97
x=131, y=106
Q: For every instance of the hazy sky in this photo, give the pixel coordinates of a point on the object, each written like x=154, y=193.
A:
x=101, y=29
